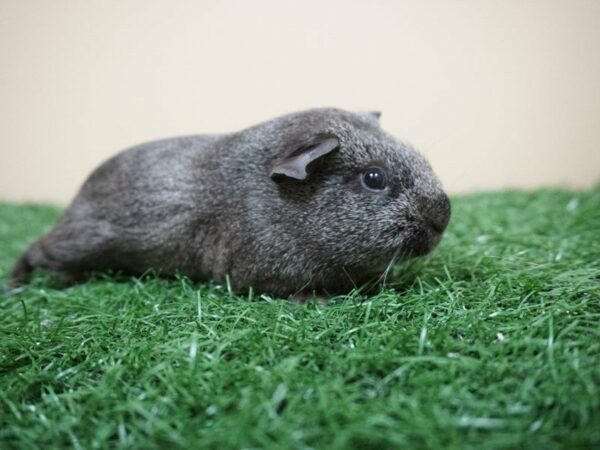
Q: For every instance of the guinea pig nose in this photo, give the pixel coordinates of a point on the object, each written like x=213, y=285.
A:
x=436, y=212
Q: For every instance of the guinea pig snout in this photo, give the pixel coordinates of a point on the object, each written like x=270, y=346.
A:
x=435, y=212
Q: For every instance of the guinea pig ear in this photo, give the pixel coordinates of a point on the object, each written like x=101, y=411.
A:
x=371, y=116
x=296, y=165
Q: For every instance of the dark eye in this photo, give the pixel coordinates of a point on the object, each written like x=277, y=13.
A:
x=374, y=178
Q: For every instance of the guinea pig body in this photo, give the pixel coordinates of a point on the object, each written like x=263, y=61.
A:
x=316, y=200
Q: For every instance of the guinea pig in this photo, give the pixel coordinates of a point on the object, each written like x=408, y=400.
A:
x=320, y=200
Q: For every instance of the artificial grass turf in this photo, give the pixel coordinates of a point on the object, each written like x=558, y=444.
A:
x=491, y=342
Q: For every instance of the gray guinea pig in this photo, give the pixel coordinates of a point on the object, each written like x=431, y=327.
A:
x=318, y=200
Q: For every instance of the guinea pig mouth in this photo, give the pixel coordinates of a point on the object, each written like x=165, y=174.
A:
x=421, y=243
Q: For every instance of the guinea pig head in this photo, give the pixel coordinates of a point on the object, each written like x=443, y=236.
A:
x=357, y=196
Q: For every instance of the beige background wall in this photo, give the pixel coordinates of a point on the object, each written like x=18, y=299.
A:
x=495, y=93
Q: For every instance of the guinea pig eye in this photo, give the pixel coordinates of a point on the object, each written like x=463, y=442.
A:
x=374, y=178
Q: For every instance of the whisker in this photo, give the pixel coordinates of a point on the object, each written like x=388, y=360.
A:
x=382, y=279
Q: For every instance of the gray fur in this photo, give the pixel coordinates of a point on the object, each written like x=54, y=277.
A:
x=206, y=207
